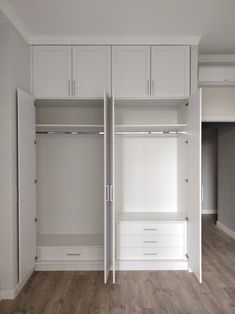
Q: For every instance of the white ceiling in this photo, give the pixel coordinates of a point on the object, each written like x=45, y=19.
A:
x=3, y=18
x=214, y=20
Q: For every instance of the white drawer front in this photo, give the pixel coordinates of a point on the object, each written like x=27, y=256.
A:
x=70, y=254
x=149, y=253
x=145, y=241
x=142, y=228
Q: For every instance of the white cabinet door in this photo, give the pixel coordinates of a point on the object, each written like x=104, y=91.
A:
x=112, y=180
x=52, y=71
x=170, y=71
x=109, y=194
x=193, y=192
x=131, y=71
x=26, y=184
x=91, y=71
x=107, y=207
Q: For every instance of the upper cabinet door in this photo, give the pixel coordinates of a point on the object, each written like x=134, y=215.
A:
x=52, y=71
x=91, y=71
x=170, y=71
x=131, y=71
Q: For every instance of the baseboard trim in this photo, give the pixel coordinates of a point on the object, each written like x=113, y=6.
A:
x=69, y=266
x=209, y=211
x=152, y=265
x=227, y=230
x=10, y=294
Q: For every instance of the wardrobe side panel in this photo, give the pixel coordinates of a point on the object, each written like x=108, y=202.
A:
x=193, y=181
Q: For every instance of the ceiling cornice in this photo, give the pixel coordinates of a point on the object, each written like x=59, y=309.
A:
x=216, y=59
x=15, y=21
x=115, y=40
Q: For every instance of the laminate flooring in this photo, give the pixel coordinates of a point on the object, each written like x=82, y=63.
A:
x=142, y=292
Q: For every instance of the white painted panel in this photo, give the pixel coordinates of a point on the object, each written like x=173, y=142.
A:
x=170, y=71
x=150, y=228
x=70, y=183
x=194, y=246
x=70, y=253
x=131, y=71
x=146, y=173
x=150, y=253
x=113, y=183
x=51, y=71
x=146, y=241
x=26, y=184
x=91, y=71
x=107, y=207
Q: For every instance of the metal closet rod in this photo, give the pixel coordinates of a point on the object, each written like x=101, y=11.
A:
x=117, y=133
x=69, y=132
x=150, y=132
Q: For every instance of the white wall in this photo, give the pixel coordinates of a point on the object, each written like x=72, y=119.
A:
x=15, y=72
x=209, y=170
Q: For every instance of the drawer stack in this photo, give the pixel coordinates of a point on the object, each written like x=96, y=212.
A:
x=150, y=240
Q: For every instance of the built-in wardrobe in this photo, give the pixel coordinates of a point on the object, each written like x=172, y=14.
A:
x=109, y=157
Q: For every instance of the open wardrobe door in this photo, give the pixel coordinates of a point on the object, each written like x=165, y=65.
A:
x=109, y=190
x=107, y=203
x=26, y=158
x=194, y=237
x=112, y=189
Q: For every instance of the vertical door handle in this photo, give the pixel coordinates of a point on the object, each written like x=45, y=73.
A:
x=202, y=194
x=74, y=86
x=111, y=193
x=69, y=87
x=107, y=193
x=152, y=88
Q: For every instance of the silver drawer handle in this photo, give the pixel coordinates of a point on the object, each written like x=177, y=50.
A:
x=150, y=229
x=150, y=253
x=73, y=254
x=150, y=241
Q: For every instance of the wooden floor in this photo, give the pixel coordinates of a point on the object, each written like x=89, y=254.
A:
x=138, y=292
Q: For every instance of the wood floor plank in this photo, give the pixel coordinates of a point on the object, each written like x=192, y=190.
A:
x=138, y=292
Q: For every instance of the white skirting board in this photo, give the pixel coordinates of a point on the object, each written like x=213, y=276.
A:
x=229, y=232
x=152, y=265
x=69, y=266
x=209, y=211
x=10, y=294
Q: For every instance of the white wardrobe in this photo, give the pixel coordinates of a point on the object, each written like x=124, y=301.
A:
x=110, y=149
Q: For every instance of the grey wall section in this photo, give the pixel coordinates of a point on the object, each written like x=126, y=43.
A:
x=226, y=176
x=209, y=169
x=14, y=73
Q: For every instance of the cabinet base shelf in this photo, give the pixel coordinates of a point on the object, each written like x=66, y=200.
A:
x=69, y=266
x=152, y=265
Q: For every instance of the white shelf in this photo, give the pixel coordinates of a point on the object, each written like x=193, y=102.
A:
x=169, y=217
x=151, y=128
x=162, y=102
x=61, y=240
x=69, y=127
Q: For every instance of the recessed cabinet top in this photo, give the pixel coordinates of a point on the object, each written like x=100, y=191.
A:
x=137, y=71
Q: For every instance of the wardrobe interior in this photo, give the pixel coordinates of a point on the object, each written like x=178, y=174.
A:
x=70, y=174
